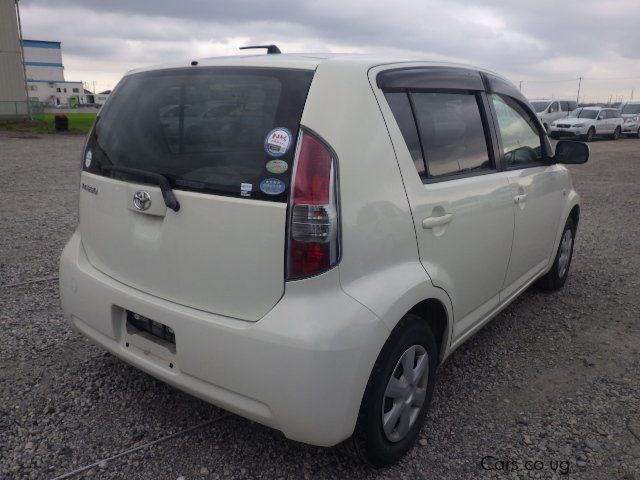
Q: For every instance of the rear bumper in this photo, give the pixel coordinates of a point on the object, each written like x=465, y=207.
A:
x=301, y=369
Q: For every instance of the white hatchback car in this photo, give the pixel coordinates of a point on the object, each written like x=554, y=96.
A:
x=589, y=122
x=311, y=256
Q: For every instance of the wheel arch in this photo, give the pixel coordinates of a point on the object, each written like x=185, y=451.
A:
x=434, y=313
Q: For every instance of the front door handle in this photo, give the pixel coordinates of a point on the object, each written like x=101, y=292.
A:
x=520, y=198
x=431, y=222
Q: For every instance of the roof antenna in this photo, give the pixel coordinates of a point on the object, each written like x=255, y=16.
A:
x=271, y=49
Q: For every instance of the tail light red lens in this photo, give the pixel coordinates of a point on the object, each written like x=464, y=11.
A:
x=313, y=244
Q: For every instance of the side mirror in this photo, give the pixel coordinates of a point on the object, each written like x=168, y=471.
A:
x=570, y=152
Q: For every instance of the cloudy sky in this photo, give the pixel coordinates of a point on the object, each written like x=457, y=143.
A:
x=546, y=44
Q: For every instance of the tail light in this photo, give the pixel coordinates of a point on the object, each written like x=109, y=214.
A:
x=314, y=236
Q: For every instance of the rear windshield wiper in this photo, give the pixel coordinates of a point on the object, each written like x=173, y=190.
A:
x=169, y=198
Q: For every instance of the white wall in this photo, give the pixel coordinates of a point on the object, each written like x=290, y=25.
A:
x=48, y=94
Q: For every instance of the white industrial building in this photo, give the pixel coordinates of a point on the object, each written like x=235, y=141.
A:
x=45, y=75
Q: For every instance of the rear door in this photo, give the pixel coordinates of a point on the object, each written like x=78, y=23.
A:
x=224, y=138
x=461, y=203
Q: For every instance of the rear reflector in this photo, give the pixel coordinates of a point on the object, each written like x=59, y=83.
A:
x=313, y=244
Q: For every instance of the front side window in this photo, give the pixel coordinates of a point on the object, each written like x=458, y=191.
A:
x=451, y=132
x=520, y=138
x=553, y=107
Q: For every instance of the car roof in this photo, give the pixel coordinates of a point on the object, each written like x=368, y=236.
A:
x=306, y=61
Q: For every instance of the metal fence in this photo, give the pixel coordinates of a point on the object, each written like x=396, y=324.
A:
x=21, y=110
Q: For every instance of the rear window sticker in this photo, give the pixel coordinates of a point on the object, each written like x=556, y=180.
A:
x=277, y=166
x=272, y=186
x=88, y=157
x=277, y=142
x=245, y=189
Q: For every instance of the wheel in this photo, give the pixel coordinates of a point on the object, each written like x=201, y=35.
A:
x=638, y=133
x=397, y=395
x=590, y=134
x=555, y=278
x=616, y=134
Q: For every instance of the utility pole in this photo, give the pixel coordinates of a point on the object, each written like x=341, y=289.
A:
x=520, y=85
x=631, y=97
x=579, y=84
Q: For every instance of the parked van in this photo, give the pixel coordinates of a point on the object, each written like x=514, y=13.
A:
x=630, y=113
x=550, y=110
x=310, y=249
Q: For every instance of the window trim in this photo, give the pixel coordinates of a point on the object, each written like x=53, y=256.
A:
x=486, y=127
x=526, y=113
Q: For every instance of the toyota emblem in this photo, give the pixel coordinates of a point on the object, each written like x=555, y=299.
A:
x=141, y=200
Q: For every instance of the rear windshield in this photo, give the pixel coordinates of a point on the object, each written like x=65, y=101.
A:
x=229, y=131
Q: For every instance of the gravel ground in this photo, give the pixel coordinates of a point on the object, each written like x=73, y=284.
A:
x=555, y=378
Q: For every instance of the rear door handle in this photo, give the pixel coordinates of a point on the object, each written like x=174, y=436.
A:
x=431, y=222
x=520, y=198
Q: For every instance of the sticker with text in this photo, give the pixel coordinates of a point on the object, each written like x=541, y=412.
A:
x=272, y=186
x=277, y=166
x=277, y=142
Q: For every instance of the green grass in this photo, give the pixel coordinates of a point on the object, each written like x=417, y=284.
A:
x=79, y=123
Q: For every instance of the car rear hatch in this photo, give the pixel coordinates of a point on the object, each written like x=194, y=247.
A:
x=222, y=140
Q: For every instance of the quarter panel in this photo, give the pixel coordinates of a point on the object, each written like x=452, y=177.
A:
x=379, y=253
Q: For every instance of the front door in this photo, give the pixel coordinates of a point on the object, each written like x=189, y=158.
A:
x=536, y=188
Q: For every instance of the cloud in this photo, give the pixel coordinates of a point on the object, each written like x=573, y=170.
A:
x=532, y=41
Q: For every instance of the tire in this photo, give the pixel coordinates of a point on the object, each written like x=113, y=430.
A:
x=590, y=134
x=369, y=441
x=616, y=134
x=638, y=133
x=555, y=278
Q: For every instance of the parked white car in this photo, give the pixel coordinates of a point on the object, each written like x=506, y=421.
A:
x=550, y=110
x=630, y=113
x=312, y=276
x=589, y=122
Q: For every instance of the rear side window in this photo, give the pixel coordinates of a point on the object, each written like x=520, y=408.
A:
x=451, y=133
x=229, y=131
x=401, y=108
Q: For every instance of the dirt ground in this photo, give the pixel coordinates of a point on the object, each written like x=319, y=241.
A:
x=549, y=389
